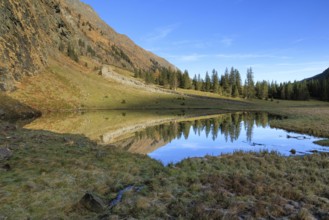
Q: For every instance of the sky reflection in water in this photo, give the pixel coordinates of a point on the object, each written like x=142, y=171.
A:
x=232, y=132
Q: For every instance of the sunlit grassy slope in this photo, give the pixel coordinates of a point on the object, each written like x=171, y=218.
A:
x=68, y=85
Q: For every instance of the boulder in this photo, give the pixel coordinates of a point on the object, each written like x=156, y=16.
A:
x=92, y=202
x=5, y=153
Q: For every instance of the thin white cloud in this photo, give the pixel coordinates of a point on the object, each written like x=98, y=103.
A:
x=249, y=56
x=160, y=33
x=187, y=57
x=226, y=41
x=299, y=40
x=191, y=57
x=256, y=65
x=191, y=44
x=183, y=42
x=215, y=40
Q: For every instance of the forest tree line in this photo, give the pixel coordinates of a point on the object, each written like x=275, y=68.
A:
x=230, y=84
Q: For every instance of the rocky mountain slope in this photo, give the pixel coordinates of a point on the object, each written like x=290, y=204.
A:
x=32, y=32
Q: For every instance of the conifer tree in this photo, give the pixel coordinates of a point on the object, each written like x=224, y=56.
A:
x=215, y=81
x=186, y=81
x=238, y=81
x=207, y=83
x=194, y=82
x=199, y=83
x=226, y=83
x=250, y=84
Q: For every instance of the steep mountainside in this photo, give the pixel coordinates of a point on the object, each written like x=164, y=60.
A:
x=32, y=32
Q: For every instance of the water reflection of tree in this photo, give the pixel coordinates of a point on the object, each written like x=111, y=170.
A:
x=249, y=122
x=228, y=125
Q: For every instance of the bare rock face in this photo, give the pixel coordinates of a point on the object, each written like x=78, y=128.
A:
x=22, y=40
x=33, y=31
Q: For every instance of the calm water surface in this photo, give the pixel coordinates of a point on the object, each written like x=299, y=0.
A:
x=233, y=132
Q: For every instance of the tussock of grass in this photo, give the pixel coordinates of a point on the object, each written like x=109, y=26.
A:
x=254, y=184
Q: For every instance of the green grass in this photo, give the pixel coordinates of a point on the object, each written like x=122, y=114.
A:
x=309, y=117
x=49, y=173
x=324, y=143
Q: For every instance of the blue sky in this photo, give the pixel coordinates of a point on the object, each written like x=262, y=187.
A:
x=280, y=39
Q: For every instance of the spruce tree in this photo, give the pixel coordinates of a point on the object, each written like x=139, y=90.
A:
x=226, y=83
x=250, y=84
x=215, y=81
x=238, y=81
x=186, y=81
x=207, y=83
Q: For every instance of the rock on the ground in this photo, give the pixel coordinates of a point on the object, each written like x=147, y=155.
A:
x=5, y=153
x=93, y=202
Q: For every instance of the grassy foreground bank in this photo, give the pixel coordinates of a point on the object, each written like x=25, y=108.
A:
x=49, y=174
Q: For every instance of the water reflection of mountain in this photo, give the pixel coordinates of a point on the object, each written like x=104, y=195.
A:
x=105, y=127
x=141, y=146
x=227, y=125
x=144, y=132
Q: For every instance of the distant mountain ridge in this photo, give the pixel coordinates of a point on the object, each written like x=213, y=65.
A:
x=318, y=85
x=321, y=76
x=32, y=32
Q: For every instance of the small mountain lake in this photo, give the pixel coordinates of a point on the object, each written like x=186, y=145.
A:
x=171, y=139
